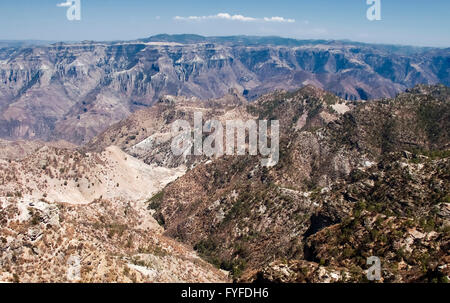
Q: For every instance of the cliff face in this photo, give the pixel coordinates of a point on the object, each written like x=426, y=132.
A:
x=73, y=92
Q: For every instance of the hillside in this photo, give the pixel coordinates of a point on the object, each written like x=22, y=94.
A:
x=57, y=204
x=384, y=161
x=113, y=240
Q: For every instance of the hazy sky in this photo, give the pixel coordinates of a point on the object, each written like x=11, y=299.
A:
x=414, y=22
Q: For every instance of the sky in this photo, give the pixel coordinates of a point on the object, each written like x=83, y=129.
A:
x=407, y=22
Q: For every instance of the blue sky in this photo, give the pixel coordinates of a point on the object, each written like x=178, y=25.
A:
x=414, y=22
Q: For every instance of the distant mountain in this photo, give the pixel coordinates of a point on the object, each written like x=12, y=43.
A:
x=24, y=43
x=277, y=41
x=73, y=91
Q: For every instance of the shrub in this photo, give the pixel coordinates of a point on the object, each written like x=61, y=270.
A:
x=156, y=200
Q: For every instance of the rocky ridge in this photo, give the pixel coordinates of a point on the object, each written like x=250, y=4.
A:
x=383, y=161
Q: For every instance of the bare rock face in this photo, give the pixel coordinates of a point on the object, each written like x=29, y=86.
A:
x=73, y=92
x=148, y=134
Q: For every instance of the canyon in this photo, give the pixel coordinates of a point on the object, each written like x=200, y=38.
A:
x=355, y=179
x=74, y=91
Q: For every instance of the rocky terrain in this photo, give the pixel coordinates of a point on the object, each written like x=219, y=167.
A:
x=61, y=205
x=112, y=241
x=59, y=202
x=75, y=91
x=20, y=149
x=355, y=179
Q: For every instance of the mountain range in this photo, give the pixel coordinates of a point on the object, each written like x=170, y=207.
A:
x=74, y=91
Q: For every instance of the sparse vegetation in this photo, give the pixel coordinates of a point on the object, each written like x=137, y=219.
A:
x=155, y=201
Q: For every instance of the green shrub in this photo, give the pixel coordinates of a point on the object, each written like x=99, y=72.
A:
x=156, y=200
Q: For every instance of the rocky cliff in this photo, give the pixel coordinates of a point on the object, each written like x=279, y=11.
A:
x=75, y=91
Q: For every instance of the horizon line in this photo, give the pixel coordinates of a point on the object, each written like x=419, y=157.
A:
x=346, y=40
